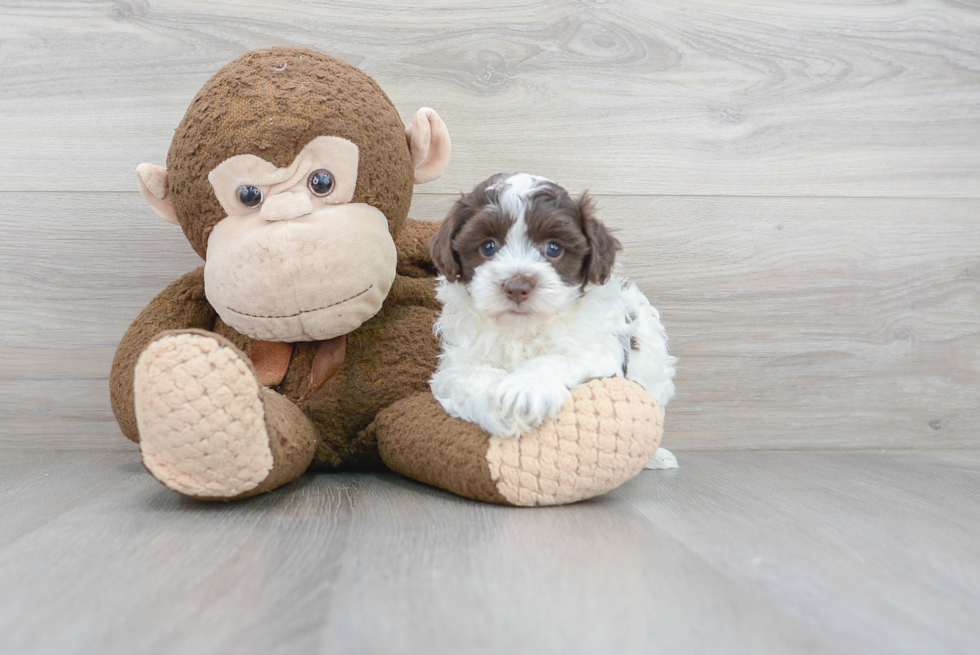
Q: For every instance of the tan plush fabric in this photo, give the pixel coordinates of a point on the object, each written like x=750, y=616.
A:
x=429, y=144
x=201, y=417
x=152, y=181
x=347, y=245
x=603, y=437
x=339, y=156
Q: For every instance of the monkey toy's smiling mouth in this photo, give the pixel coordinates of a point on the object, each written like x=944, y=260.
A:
x=311, y=278
x=305, y=311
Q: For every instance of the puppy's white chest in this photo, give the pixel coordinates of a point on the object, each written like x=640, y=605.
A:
x=509, y=353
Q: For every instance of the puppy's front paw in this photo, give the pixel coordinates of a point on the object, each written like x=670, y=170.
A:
x=495, y=422
x=526, y=402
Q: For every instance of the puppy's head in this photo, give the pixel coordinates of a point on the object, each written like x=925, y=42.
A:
x=523, y=248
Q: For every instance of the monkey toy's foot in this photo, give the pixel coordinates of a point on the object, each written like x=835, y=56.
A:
x=207, y=428
x=601, y=438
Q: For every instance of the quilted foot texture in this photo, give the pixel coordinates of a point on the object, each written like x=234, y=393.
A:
x=207, y=429
x=603, y=437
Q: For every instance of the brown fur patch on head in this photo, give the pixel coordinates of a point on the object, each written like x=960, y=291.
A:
x=603, y=246
x=553, y=216
x=271, y=103
x=488, y=223
x=445, y=247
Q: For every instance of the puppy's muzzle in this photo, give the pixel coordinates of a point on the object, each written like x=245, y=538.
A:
x=518, y=288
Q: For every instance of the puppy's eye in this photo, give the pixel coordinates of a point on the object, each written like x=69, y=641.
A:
x=488, y=248
x=250, y=196
x=553, y=249
x=320, y=182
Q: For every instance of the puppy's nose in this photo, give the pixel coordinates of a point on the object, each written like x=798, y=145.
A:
x=518, y=288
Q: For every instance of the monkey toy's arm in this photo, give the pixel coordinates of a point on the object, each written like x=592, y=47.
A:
x=180, y=306
x=601, y=438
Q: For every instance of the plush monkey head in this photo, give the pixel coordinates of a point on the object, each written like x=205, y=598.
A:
x=291, y=174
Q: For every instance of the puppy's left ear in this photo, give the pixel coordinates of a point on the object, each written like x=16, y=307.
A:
x=603, y=246
x=441, y=243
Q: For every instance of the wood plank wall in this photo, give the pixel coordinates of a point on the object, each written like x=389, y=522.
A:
x=797, y=186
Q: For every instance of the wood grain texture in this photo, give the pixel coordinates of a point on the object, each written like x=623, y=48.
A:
x=832, y=322
x=806, y=552
x=701, y=97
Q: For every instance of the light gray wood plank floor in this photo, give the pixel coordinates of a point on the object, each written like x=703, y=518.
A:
x=736, y=552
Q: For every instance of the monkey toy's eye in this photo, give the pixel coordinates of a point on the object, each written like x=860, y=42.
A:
x=553, y=249
x=488, y=248
x=320, y=182
x=250, y=196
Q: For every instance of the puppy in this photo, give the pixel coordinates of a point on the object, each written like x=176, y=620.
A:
x=531, y=308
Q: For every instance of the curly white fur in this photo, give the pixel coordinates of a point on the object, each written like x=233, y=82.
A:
x=509, y=368
x=510, y=377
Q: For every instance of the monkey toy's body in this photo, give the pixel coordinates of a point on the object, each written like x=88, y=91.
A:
x=305, y=342
x=388, y=358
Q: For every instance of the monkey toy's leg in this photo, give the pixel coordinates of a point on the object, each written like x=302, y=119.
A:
x=207, y=429
x=226, y=437
x=181, y=305
x=601, y=438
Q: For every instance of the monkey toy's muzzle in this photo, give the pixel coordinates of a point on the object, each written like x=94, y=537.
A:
x=309, y=278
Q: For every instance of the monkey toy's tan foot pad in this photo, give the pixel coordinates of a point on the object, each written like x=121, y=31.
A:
x=601, y=438
x=207, y=429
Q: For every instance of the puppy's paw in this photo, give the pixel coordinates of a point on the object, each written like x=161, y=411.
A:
x=496, y=423
x=526, y=402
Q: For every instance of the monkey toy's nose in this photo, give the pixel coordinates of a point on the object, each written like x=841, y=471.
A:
x=518, y=288
x=285, y=206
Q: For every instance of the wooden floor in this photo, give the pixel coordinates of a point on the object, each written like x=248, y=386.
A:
x=797, y=187
x=736, y=552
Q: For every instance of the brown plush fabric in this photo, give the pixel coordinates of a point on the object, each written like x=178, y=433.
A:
x=292, y=439
x=412, y=244
x=271, y=103
x=418, y=439
x=271, y=361
x=181, y=305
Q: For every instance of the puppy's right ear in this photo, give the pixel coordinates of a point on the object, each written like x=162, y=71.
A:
x=441, y=244
x=603, y=246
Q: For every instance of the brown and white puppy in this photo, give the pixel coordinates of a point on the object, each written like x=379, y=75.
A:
x=531, y=307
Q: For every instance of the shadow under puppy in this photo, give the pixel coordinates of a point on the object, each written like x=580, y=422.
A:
x=531, y=308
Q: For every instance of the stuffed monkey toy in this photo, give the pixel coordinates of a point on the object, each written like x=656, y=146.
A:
x=305, y=341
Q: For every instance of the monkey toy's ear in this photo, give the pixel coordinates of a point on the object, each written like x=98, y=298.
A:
x=154, y=183
x=428, y=141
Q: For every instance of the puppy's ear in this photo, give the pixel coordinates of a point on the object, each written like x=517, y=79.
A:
x=603, y=246
x=441, y=244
